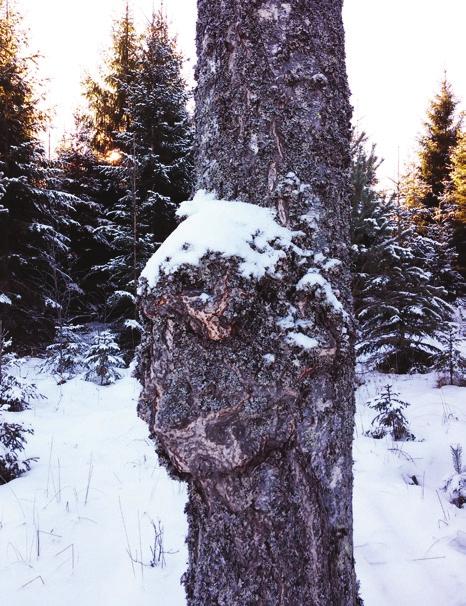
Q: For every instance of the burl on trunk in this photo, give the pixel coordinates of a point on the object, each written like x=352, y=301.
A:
x=247, y=362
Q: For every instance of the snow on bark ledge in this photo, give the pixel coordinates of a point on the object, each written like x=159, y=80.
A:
x=314, y=280
x=231, y=229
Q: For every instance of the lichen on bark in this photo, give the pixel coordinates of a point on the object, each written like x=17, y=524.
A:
x=260, y=424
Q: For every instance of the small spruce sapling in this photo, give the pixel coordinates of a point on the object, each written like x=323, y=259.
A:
x=450, y=362
x=12, y=441
x=103, y=359
x=455, y=486
x=16, y=393
x=390, y=420
x=64, y=357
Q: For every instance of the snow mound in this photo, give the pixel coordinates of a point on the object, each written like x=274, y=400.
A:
x=231, y=229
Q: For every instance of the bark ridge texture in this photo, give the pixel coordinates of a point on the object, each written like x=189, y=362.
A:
x=242, y=403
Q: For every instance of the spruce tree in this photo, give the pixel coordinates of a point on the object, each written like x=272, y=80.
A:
x=441, y=135
x=159, y=132
x=89, y=165
x=456, y=201
x=458, y=178
x=399, y=307
x=81, y=174
x=12, y=444
x=33, y=217
x=107, y=96
x=451, y=363
x=155, y=169
x=16, y=394
x=103, y=359
x=441, y=257
x=428, y=187
x=390, y=419
x=455, y=485
x=63, y=357
x=373, y=228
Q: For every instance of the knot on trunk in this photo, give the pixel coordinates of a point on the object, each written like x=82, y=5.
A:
x=215, y=406
x=230, y=439
x=218, y=401
x=211, y=312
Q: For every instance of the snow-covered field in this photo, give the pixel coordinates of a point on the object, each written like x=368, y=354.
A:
x=67, y=527
x=78, y=528
x=410, y=542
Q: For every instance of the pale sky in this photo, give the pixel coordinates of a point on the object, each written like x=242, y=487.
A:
x=397, y=52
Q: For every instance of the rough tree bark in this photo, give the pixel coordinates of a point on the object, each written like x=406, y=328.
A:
x=258, y=421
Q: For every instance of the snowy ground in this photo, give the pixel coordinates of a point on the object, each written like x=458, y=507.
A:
x=410, y=542
x=68, y=526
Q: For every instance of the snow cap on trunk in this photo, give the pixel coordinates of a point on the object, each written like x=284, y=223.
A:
x=231, y=229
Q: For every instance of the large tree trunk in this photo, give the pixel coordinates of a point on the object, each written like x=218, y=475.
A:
x=248, y=382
